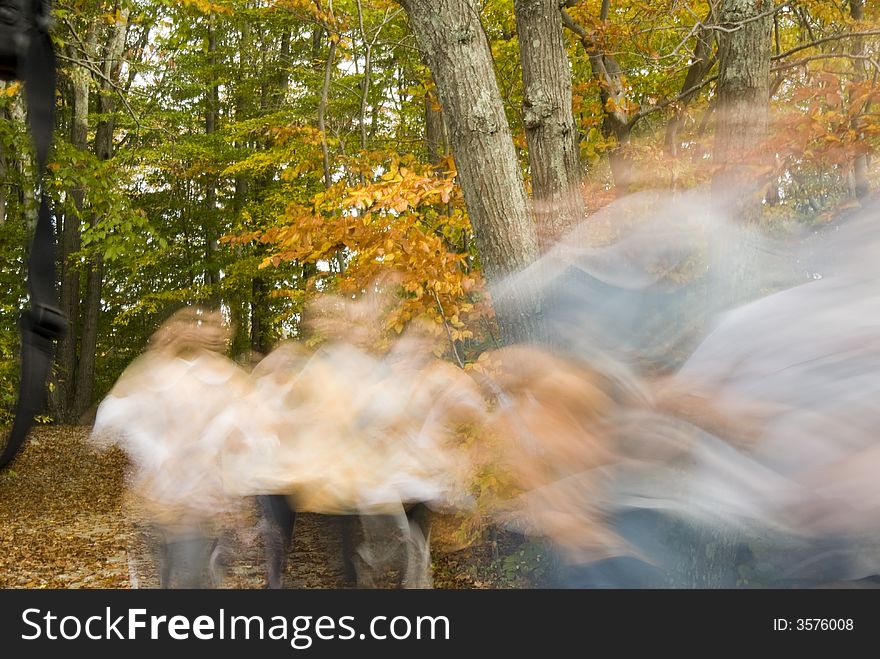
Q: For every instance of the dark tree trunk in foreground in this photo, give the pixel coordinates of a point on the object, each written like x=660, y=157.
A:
x=547, y=115
x=454, y=45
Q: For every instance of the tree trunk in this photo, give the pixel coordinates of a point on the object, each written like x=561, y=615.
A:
x=702, y=61
x=743, y=104
x=85, y=372
x=549, y=122
x=283, y=69
x=860, y=161
x=741, y=126
x=742, y=117
x=616, y=109
x=454, y=45
x=436, y=139
x=365, y=85
x=212, y=271
x=322, y=111
x=239, y=304
x=63, y=398
x=619, y=157
x=111, y=70
x=260, y=342
x=4, y=166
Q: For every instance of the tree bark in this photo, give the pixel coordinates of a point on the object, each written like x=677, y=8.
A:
x=63, y=396
x=283, y=68
x=436, y=139
x=85, y=372
x=212, y=271
x=453, y=43
x=702, y=61
x=742, y=118
x=241, y=306
x=112, y=67
x=322, y=112
x=4, y=166
x=260, y=342
x=368, y=70
x=616, y=110
x=860, y=161
x=240, y=301
x=548, y=118
x=743, y=103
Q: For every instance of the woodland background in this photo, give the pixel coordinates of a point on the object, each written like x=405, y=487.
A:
x=252, y=154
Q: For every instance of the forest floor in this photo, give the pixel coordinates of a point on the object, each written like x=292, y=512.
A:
x=65, y=522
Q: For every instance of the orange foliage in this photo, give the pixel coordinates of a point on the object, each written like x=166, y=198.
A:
x=405, y=219
x=830, y=124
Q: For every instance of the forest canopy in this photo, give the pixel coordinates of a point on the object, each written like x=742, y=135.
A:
x=253, y=154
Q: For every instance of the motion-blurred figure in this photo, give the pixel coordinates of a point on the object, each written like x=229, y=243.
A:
x=362, y=435
x=158, y=412
x=652, y=440
x=747, y=460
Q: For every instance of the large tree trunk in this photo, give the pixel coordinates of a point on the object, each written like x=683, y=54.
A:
x=742, y=123
x=743, y=103
x=549, y=122
x=454, y=45
x=741, y=127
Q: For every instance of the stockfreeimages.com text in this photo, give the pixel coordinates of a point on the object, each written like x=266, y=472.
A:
x=300, y=631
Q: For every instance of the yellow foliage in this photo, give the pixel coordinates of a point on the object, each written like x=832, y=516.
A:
x=407, y=218
x=209, y=6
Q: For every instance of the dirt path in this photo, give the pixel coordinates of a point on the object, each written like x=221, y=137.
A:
x=64, y=524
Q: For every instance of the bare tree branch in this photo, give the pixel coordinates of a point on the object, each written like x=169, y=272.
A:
x=810, y=58
x=644, y=112
x=89, y=65
x=817, y=42
x=739, y=24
